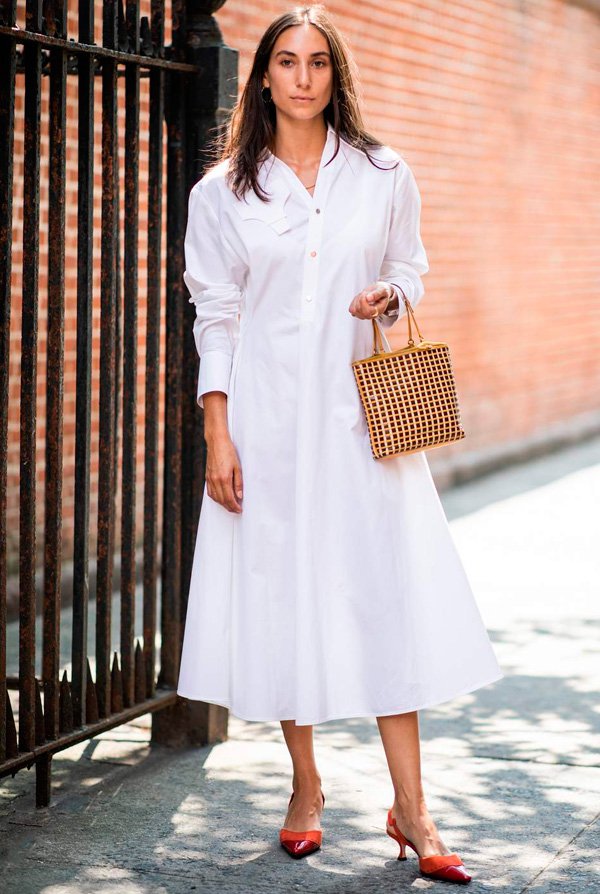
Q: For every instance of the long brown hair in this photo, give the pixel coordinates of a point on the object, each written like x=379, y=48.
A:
x=251, y=127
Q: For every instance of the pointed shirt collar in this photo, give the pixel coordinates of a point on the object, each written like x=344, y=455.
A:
x=281, y=175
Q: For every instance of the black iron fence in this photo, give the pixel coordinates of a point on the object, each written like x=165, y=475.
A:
x=192, y=82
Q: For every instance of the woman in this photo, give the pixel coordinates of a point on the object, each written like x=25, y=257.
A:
x=325, y=584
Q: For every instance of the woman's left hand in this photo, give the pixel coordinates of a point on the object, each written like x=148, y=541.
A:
x=372, y=301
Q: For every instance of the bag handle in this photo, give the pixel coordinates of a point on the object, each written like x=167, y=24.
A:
x=378, y=347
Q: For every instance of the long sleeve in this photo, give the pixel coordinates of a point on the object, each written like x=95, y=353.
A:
x=215, y=277
x=405, y=260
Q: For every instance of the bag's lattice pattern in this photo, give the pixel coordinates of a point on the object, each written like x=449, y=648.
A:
x=409, y=398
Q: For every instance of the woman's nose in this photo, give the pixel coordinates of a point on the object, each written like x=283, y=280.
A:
x=303, y=79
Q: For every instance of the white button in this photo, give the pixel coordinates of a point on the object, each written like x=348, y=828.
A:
x=309, y=297
x=313, y=254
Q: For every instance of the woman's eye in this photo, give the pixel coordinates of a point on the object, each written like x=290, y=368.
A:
x=320, y=63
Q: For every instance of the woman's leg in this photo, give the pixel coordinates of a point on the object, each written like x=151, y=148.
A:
x=305, y=810
x=400, y=737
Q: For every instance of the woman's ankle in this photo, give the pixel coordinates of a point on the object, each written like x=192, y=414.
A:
x=306, y=782
x=411, y=805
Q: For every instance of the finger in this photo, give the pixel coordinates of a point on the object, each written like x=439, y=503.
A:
x=373, y=297
x=360, y=298
x=362, y=304
x=381, y=290
x=218, y=489
x=368, y=304
x=224, y=483
x=237, y=482
x=369, y=309
x=230, y=501
x=380, y=299
x=217, y=495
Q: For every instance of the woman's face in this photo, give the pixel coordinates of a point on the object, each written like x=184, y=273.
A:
x=300, y=65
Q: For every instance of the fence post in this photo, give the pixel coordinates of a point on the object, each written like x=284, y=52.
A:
x=210, y=95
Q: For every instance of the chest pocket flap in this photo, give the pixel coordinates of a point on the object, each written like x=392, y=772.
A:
x=271, y=212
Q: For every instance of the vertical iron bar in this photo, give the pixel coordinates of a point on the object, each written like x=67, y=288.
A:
x=54, y=20
x=8, y=13
x=157, y=87
x=157, y=27
x=130, y=332
x=83, y=405
x=118, y=330
x=176, y=216
x=55, y=375
x=33, y=16
x=43, y=769
x=29, y=330
x=108, y=300
x=8, y=63
x=178, y=34
x=85, y=19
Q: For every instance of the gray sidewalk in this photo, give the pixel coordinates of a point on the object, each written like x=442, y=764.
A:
x=511, y=771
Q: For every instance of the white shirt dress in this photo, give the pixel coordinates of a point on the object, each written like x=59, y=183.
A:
x=337, y=592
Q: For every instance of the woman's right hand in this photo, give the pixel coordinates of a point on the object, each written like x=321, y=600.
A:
x=223, y=469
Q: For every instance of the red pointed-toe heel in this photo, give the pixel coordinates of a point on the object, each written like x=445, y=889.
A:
x=446, y=867
x=300, y=844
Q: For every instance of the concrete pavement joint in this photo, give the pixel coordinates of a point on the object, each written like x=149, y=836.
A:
x=560, y=851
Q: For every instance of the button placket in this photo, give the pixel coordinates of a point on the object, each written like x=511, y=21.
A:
x=311, y=264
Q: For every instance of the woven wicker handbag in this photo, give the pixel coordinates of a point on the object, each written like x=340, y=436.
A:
x=409, y=395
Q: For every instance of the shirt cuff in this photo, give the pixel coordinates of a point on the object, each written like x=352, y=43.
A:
x=389, y=317
x=214, y=374
x=401, y=308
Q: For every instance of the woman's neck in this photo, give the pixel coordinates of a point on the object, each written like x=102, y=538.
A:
x=300, y=142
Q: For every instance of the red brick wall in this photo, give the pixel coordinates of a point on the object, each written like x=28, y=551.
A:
x=495, y=105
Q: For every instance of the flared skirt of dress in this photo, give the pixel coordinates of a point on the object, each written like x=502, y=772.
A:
x=338, y=592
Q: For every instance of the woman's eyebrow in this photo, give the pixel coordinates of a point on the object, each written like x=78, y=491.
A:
x=289, y=53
